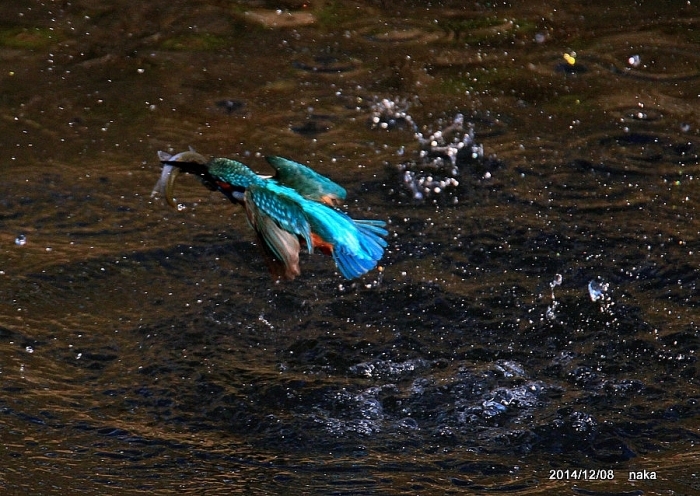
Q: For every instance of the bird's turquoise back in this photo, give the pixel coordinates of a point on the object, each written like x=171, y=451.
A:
x=234, y=173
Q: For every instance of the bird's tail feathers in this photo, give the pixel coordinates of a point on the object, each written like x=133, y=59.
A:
x=351, y=265
x=370, y=237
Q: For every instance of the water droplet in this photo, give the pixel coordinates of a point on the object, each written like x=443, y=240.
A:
x=597, y=289
x=181, y=207
x=21, y=240
x=634, y=60
x=492, y=408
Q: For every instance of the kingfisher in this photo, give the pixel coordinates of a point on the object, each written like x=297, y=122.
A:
x=292, y=207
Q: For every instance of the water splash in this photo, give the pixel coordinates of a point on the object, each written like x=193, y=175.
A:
x=551, y=310
x=441, y=154
x=597, y=290
x=390, y=114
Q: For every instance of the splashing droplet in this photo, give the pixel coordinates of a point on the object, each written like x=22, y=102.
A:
x=597, y=289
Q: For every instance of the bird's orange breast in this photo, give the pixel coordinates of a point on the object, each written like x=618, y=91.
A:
x=320, y=245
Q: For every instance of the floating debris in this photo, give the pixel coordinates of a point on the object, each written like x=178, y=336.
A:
x=571, y=64
x=570, y=58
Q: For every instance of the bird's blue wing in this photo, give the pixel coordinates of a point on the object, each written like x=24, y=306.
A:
x=281, y=248
x=280, y=205
x=306, y=181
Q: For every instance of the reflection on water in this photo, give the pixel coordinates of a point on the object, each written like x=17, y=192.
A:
x=545, y=320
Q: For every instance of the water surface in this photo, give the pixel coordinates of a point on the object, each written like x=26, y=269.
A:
x=535, y=313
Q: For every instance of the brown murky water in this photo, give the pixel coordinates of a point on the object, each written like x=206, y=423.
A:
x=537, y=314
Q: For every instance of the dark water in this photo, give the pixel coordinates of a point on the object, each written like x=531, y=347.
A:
x=539, y=312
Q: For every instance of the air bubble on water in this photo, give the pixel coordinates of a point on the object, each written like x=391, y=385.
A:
x=21, y=240
x=181, y=207
x=597, y=289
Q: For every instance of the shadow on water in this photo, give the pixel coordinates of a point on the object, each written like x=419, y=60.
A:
x=533, y=327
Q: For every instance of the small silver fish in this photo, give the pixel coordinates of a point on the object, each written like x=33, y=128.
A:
x=165, y=185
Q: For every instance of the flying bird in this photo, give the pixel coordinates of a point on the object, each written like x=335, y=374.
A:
x=292, y=207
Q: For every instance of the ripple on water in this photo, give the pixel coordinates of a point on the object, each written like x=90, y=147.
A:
x=326, y=63
x=658, y=60
x=653, y=58
x=398, y=33
x=611, y=170
x=649, y=153
x=279, y=18
x=313, y=125
x=638, y=114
